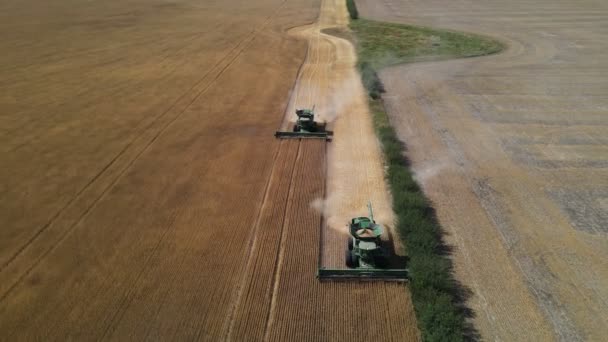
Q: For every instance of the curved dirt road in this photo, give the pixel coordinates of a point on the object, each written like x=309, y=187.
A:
x=512, y=150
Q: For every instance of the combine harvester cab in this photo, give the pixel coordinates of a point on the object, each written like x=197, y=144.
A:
x=306, y=127
x=365, y=256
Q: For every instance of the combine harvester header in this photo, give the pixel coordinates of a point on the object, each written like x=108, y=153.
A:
x=366, y=257
x=306, y=127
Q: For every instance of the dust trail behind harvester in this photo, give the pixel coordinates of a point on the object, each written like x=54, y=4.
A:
x=329, y=81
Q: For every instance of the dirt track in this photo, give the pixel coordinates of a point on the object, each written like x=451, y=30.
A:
x=512, y=150
x=144, y=194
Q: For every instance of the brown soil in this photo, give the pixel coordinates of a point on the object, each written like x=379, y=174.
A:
x=144, y=195
x=512, y=151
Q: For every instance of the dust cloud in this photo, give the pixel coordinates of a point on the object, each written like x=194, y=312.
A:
x=429, y=170
x=329, y=208
x=341, y=98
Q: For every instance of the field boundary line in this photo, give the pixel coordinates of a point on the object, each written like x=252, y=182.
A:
x=251, y=246
x=119, y=90
x=280, y=251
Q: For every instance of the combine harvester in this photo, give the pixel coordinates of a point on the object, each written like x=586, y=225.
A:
x=366, y=257
x=306, y=127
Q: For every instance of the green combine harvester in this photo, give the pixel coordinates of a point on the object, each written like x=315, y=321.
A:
x=366, y=257
x=306, y=127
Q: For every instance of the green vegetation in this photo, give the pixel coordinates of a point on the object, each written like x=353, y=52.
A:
x=435, y=293
x=383, y=44
x=432, y=286
x=352, y=9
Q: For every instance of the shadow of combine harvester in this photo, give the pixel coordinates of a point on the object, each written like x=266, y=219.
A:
x=306, y=127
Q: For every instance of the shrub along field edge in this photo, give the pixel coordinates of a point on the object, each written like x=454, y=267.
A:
x=352, y=9
x=435, y=293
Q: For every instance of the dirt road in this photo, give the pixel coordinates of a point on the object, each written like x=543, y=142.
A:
x=144, y=195
x=512, y=150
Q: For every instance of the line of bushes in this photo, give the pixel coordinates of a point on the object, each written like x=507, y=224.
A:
x=431, y=282
x=437, y=297
x=352, y=9
x=370, y=80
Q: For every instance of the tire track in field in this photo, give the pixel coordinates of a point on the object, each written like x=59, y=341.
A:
x=124, y=86
x=119, y=88
x=259, y=273
x=281, y=250
x=253, y=244
x=299, y=235
x=126, y=303
x=7, y=286
x=128, y=297
x=304, y=77
x=115, y=91
x=116, y=157
x=103, y=170
x=88, y=52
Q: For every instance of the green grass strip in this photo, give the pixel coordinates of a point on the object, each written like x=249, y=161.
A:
x=383, y=44
x=435, y=293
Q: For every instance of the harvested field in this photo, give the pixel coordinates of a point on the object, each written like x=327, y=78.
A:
x=511, y=149
x=144, y=194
